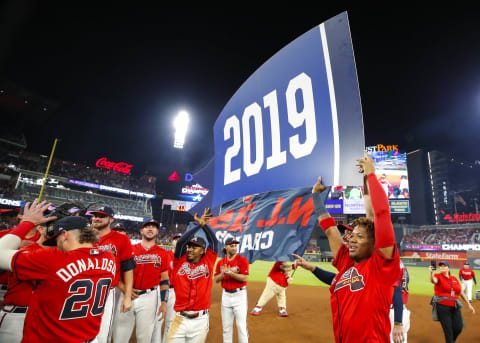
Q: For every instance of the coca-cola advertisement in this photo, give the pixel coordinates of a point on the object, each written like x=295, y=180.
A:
x=120, y=167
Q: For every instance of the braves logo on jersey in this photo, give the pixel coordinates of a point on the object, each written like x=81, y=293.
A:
x=149, y=258
x=350, y=278
x=198, y=271
x=109, y=247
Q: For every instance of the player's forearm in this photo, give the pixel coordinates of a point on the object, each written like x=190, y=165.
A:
x=128, y=282
x=327, y=223
x=212, y=240
x=397, y=305
x=323, y=275
x=239, y=277
x=218, y=278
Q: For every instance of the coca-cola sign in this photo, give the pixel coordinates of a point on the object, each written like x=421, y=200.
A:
x=120, y=167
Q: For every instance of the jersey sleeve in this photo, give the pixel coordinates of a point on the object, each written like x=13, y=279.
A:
x=127, y=258
x=165, y=260
x=217, y=268
x=244, y=268
x=387, y=269
x=33, y=265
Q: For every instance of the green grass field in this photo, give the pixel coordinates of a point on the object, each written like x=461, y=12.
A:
x=419, y=276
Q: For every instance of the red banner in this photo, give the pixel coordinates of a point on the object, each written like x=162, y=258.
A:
x=120, y=167
x=455, y=259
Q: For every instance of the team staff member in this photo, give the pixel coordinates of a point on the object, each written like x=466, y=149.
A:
x=120, y=246
x=467, y=276
x=277, y=283
x=150, y=283
x=72, y=280
x=19, y=293
x=171, y=292
x=232, y=272
x=446, y=306
x=367, y=269
x=192, y=279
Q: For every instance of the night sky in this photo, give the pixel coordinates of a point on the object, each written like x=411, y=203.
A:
x=117, y=75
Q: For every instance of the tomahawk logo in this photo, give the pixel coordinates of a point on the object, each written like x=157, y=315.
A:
x=194, y=273
x=350, y=278
x=109, y=247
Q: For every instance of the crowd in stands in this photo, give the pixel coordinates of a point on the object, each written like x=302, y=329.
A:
x=443, y=236
x=10, y=162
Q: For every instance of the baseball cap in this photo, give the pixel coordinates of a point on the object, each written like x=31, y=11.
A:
x=342, y=228
x=199, y=241
x=151, y=222
x=231, y=240
x=444, y=263
x=64, y=224
x=176, y=236
x=105, y=210
x=119, y=227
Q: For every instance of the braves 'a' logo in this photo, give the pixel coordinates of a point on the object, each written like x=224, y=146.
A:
x=109, y=247
x=350, y=278
x=198, y=271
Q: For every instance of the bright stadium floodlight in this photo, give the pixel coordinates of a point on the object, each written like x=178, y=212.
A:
x=181, y=125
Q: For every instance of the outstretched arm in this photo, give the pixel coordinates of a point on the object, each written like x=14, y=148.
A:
x=212, y=240
x=321, y=274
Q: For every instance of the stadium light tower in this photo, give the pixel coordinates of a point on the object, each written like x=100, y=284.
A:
x=181, y=125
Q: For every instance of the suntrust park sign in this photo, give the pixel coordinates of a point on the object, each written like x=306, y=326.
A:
x=120, y=167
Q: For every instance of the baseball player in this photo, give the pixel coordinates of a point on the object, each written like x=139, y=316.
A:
x=192, y=280
x=120, y=246
x=277, y=283
x=232, y=272
x=171, y=292
x=72, y=281
x=150, y=283
x=467, y=277
x=368, y=267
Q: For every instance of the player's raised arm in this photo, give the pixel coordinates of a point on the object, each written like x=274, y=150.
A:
x=384, y=234
x=326, y=222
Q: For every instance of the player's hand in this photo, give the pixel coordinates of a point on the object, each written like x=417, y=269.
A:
x=126, y=304
x=162, y=311
x=300, y=261
x=134, y=294
x=397, y=334
x=205, y=217
x=430, y=268
x=318, y=187
x=227, y=270
x=34, y=212
x=470, y=306
x=366, y=164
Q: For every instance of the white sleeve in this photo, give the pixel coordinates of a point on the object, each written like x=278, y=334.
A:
x=8, y=244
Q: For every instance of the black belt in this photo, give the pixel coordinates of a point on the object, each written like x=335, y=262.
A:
x=3, y=287
x=235, y=290
x=191, y=315
x=171, y=286
x=15, y=309
x=143, y=291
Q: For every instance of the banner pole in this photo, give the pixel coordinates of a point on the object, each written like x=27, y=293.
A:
x=47, y=170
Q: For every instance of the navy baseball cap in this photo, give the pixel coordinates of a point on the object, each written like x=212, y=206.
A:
x=118, y=227
x=64, y=224
x=343, y=228
x=444, y=263
x=105, y=210
x=199, y=241
x=151, y=222
x=231, y=240
x=178, y=235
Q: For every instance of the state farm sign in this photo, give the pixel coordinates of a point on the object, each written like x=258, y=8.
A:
x=120, y=167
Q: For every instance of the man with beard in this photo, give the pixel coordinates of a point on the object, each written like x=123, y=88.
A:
x=120, y=246
x=150, y=283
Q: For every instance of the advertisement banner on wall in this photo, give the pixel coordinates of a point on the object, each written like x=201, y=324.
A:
x=295, y=118
x=455, y=259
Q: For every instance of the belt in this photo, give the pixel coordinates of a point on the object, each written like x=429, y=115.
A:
x=3, y=287
x=171, y=286
x=192, y=314
x=144, y=291
x=15, y=309
x=234, y=290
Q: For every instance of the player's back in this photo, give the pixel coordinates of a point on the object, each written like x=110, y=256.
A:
x=68, y=303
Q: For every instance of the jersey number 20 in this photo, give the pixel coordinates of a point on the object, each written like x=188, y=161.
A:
x=84, y=289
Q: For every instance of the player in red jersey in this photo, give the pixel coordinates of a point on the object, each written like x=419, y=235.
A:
x=232, y=272
x=367, y=268
x=120, y=246
x=171, y=293
x=150, y=283
x=467, y=277
x=72, y=281
x=192, y=279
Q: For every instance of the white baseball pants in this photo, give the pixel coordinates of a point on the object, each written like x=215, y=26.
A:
x=234, y=305
x=170, y=315
x=405, y=322
x=105, y=333
x=271, y=289
x=11, y=326
x=186, y=330
x=467, y=286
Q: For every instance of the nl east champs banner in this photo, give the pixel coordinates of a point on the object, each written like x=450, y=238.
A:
x=269, y=226
x=296, y=117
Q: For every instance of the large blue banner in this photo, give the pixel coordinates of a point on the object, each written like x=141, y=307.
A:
x=269, y=226
x=297, y=117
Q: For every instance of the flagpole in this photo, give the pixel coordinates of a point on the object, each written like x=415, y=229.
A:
x=47, y=170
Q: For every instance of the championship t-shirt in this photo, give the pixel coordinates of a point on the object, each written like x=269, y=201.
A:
x=150, y=265
x=239, y=264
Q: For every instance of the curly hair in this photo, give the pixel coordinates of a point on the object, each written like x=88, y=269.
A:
x=88, y=235
x=367, y=223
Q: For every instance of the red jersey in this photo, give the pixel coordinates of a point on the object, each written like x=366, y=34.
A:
x=361, y=295
x=19, y=292
x=278, y=275
x=466, y=274
x=239, y=264
x=447, y=287
x=67, y=303
x=121, y=248
x=193, y=282
x=150, y=264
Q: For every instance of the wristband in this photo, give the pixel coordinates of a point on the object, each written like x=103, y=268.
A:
x=327, y=222
x=22, y=229
x=165, y=282
x=318, y=205
x=398, y=324
x=164, y=295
